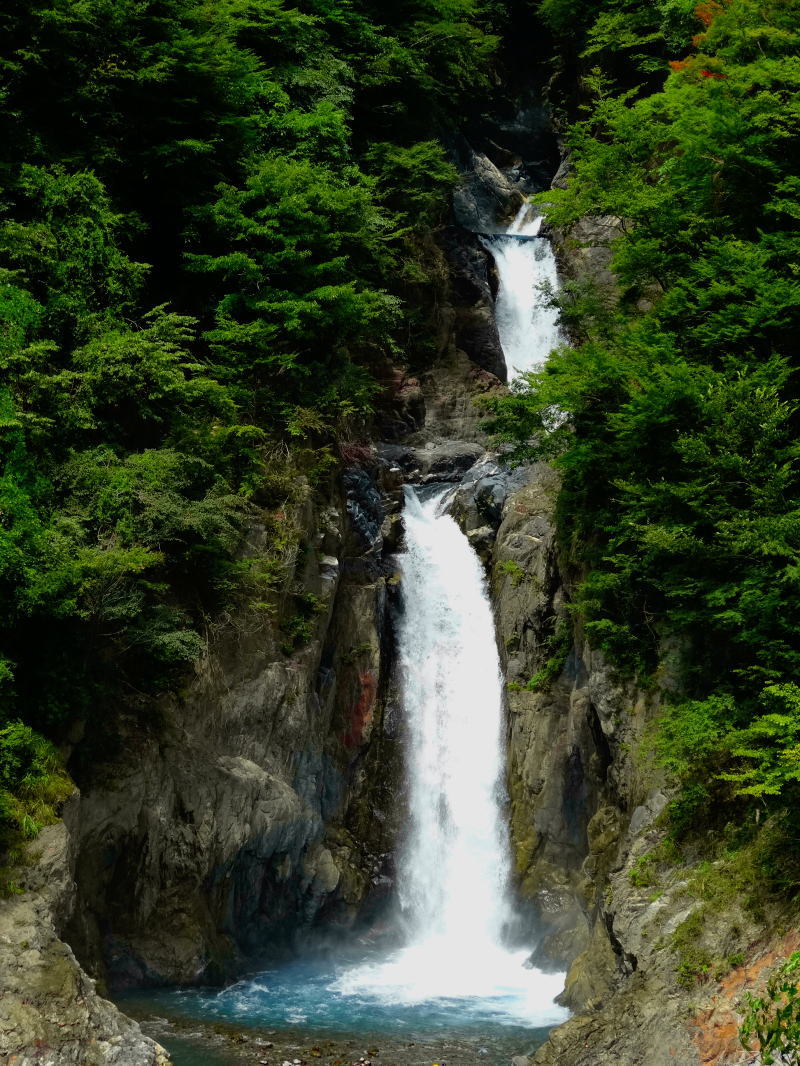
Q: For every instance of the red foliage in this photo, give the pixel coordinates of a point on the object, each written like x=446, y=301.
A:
x=683, y=64
x=707, y=11
x=353, y=452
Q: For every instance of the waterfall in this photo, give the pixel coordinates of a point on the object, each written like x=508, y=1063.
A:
x=453, y=871
x=528, y=327
x=455, y=866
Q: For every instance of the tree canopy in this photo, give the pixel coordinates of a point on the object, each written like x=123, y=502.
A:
x=211, y=227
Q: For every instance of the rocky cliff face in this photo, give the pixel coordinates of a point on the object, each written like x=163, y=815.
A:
x=658, y=953
x=50, y=1012
x=237, y=818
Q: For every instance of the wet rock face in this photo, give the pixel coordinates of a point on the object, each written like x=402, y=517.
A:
x=470, y=361
x=585, y=805
x=553, y=783
x=364, y=508
x=473, y=289
x=487, y=199
x=483, y=492
x=450, y=394
x=444, y=462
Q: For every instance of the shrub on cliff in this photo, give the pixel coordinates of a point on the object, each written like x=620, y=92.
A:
x=33, y=786
x=773, y=1019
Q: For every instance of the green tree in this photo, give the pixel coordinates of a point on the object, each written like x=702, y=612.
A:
x=673, y=414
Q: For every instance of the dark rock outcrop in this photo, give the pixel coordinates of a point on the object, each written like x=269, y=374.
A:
x=486, y=199
x=483, y=491
x=584, y=251
x=445, y=461
x=473, y=288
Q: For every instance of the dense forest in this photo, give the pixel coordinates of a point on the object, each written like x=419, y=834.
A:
x=217, y=238
x=673, y=413
x=213, y=229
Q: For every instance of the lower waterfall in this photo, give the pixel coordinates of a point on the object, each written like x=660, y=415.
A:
x=456, y=991
x=454, y=870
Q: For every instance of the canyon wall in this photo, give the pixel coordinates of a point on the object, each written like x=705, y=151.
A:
x=229, y=825
x=659, y=953
x=236, y=817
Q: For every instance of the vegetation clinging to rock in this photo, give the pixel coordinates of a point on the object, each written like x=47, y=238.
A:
x=677, y=428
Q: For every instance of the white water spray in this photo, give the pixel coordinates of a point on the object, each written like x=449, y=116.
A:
x=528, y=327
x=456, y=863
x=454, y=870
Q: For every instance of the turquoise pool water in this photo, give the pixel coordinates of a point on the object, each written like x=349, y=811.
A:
x=305, y=1002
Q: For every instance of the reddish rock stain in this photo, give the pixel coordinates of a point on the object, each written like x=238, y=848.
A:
x=363, y=712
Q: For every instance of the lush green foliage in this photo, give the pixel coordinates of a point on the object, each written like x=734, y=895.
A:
x=212, y=220
x=557, y=646
x=673, y=414
x=33, y=785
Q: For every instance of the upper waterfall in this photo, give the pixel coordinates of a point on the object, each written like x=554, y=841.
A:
x=526, y=323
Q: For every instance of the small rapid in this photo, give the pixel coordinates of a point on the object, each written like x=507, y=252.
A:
x=526, y=323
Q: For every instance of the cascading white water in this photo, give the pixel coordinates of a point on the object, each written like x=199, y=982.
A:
x=528, y=327
x=455, y=867
x=453, y=872
x=456, y=974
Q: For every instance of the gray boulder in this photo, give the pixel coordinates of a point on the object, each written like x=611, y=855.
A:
x=486, y=200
